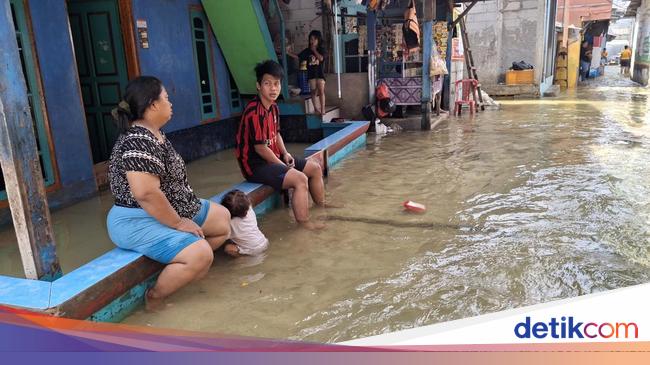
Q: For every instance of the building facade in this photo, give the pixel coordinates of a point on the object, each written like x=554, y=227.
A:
x=77, y=57
x=502, y=32
x=640, y=40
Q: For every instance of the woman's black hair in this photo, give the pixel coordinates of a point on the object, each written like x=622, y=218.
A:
x=138, y=96
x=319, y=37
x=237, y=203
x=268, y=67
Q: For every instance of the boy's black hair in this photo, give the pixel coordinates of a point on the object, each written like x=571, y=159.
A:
x=237, y=203
x=268, y=67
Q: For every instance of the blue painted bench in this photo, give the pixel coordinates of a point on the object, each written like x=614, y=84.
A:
x=111, y=286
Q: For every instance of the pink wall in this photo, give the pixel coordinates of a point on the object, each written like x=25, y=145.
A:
x=587, y=9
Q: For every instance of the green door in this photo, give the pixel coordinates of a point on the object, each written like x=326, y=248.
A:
x=102, y=68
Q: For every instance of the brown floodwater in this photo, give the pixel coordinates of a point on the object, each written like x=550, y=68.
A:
x=541, y=200
x=80, y=229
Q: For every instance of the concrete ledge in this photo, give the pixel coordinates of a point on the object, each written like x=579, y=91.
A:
x=553, y=90
x=414, y=123
x=331, y=149
x=82, y=300
x=512, y=90
x=336, y=141
x=24, y=293
x=111, y=286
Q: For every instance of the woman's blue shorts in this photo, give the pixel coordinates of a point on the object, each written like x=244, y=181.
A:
x=134, y=229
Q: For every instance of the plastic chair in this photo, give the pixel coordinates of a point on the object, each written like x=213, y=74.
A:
x=467, y=88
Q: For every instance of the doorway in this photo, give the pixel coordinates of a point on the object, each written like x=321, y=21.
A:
x=101, y=63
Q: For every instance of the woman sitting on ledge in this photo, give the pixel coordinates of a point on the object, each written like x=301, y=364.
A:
x=156, y=212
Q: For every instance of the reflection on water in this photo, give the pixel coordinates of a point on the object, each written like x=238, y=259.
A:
x=538, y=201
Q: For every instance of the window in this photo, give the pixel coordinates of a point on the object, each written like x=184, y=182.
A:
x=23, y=39
x=235, y=98
x=353, y=40
x=204, y=65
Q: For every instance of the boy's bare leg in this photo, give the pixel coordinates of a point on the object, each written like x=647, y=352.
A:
x=314, y=175
x=298, y=181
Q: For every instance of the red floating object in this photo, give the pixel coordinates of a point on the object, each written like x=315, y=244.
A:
x=414, y=207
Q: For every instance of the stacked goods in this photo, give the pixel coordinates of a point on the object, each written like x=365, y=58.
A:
x=561, y=69
x=413, y=72
x=440, y=35
x=351, y=25
x=390, y=39
x=398, y=37
x=413, y=57
x=363, y=39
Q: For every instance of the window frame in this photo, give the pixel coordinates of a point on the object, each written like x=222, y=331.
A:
x=27, y=52
x=196, y=12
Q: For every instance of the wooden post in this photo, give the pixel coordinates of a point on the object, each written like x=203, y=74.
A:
x=371, y=30
x=565, y=25
x=20, y=165
x=429, y=9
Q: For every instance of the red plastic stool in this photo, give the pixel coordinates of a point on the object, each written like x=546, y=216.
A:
x=467, y=88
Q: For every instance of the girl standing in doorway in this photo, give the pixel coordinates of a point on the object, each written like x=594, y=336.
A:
x=314, y=56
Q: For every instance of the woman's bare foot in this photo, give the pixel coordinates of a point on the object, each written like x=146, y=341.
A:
x=231, y=250
x=311, y=225
x=152, y=303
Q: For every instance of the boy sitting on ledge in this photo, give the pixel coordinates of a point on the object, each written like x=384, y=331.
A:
x=261, y=153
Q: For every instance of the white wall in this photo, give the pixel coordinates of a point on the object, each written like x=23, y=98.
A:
x=641, y=45
x=503, y=31
x=300, y=18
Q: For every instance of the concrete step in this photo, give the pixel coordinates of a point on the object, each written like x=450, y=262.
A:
x=512, y=90
x=331, y=113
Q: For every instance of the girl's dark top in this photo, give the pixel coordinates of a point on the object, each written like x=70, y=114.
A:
x=314, y=66
x=138, y=150
x=585, y=54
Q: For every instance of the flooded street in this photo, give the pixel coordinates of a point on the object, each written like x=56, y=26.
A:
x=541, y=200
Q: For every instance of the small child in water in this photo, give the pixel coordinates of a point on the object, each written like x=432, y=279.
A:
x=246, y=236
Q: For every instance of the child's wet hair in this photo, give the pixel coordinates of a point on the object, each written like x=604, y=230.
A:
x=237, y=203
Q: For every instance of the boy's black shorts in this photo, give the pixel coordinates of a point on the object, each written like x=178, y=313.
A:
x=273, y=174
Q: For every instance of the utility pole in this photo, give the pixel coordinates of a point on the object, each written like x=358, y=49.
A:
x=20, y=164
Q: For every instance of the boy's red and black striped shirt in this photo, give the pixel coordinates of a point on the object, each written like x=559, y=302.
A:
x=258, y=125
